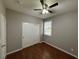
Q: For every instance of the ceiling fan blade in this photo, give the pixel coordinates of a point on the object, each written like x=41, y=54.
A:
x=46, y=6
x=37, y=9
x=42, y=2
x=50, y=11
x=53, y=5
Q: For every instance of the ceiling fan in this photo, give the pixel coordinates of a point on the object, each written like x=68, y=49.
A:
x=45, y=7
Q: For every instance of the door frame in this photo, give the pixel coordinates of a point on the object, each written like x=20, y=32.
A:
x=3, y=36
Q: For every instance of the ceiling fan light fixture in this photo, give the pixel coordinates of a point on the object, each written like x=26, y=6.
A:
x=46, y=8
x=44, y=11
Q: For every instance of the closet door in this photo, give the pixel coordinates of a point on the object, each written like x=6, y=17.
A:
x=30, y=34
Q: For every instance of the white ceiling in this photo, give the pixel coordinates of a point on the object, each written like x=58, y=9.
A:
x=27, y=6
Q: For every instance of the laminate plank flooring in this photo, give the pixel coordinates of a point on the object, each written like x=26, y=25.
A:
x=40, y=51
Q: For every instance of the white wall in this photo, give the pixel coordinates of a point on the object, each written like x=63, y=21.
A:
x=14, y=28
x=64, y=32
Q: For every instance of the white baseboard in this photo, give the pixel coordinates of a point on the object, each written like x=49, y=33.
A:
x=60, y=49
x=19, y=49
x=14, y=51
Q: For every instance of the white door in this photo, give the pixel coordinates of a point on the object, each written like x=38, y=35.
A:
x=30, y=34
x=2, y=37
x=2, y=51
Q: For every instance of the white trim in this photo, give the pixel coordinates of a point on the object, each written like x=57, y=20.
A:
x=14, y=51
x=60, y=49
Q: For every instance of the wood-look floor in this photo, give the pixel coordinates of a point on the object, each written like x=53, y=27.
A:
x=40, y=51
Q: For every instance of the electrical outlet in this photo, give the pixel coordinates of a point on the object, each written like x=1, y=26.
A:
x=72, y=49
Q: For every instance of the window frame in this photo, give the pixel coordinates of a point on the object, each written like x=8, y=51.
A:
x=47, y=30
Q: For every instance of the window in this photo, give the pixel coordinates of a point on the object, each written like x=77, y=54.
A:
x=47, y=28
